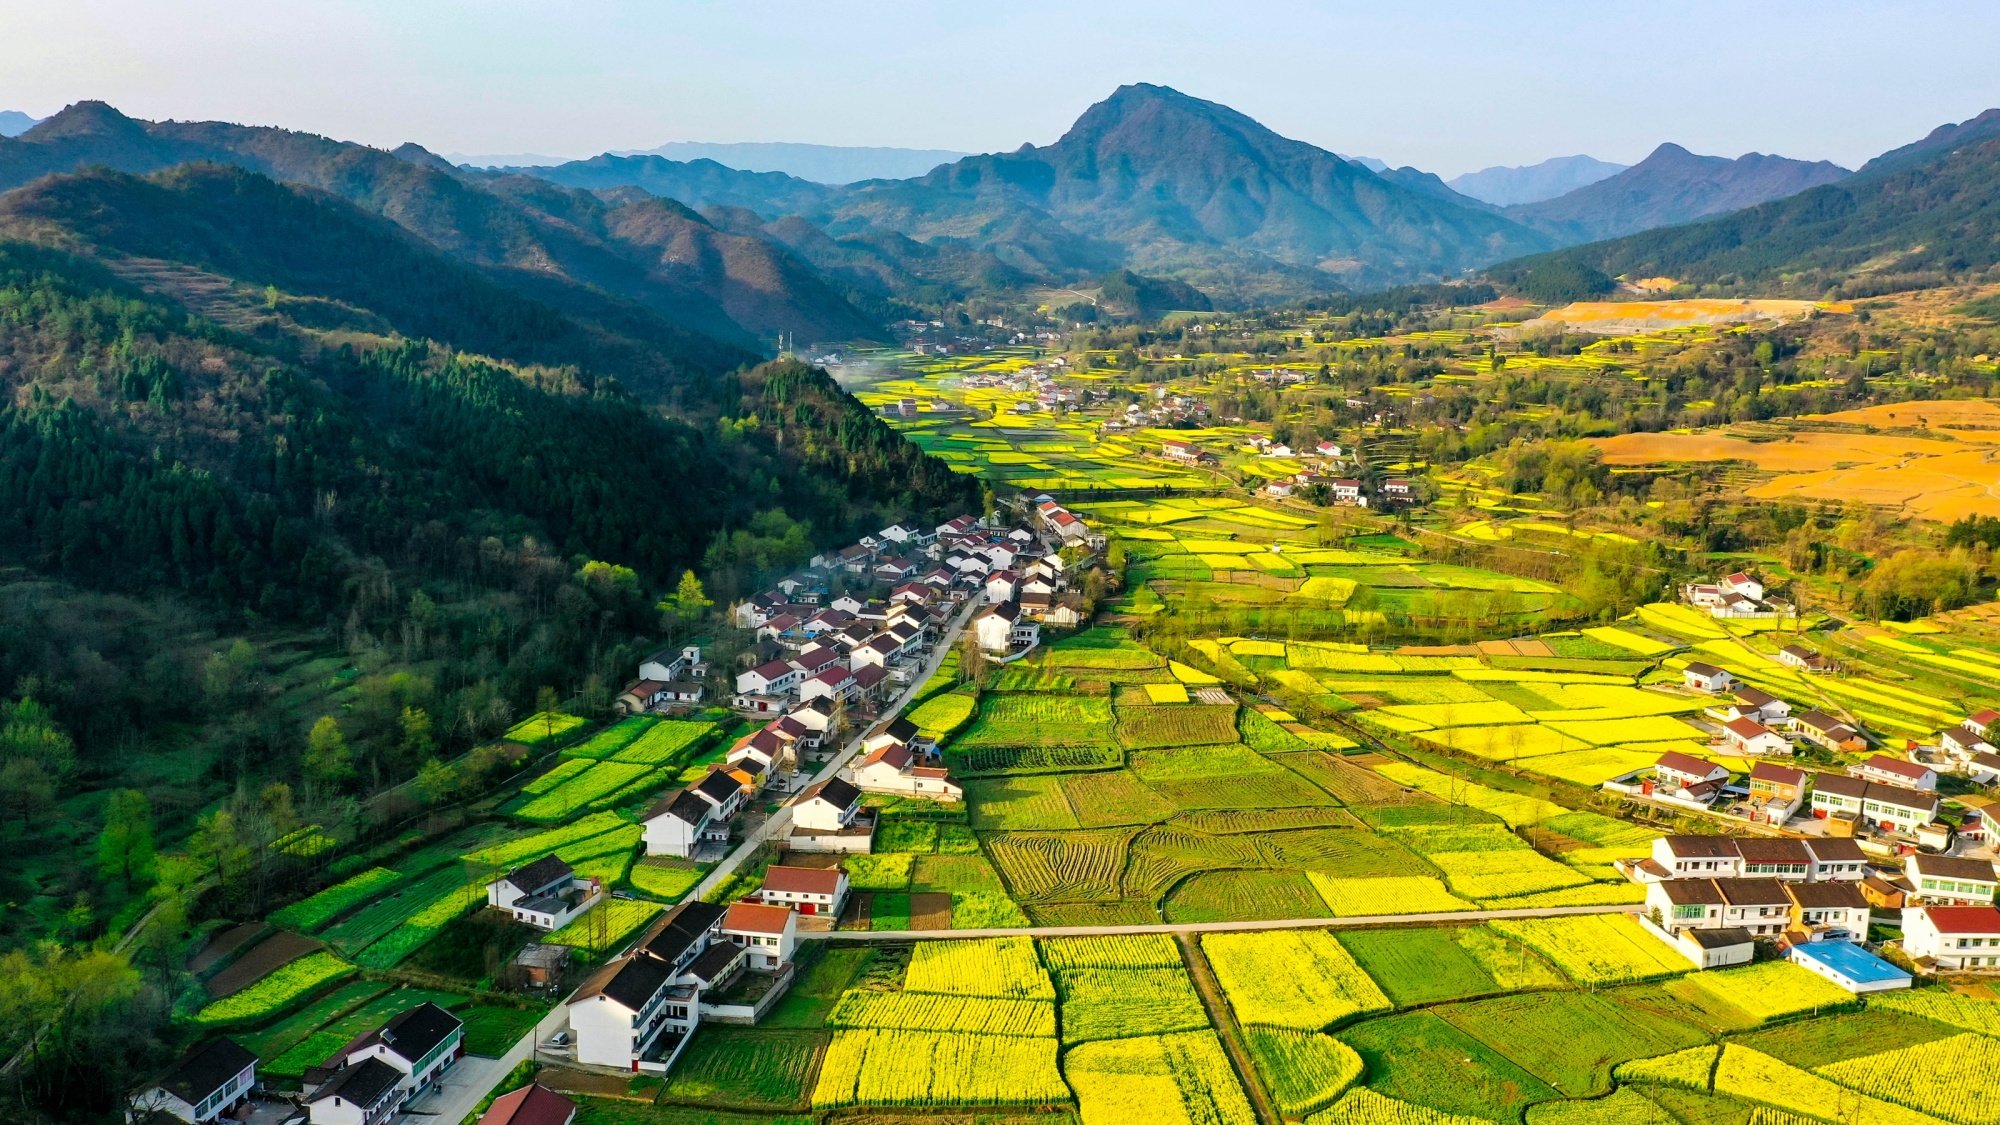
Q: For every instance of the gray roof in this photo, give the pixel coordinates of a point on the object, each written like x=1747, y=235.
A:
x=534, y=876
x=364, y=1083
x=207, y=1069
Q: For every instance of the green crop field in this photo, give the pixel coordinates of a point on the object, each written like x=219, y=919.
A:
x=746, y=1068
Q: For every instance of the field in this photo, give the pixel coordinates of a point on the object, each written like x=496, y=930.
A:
x=920, y=1068
x=1430, y=965
x=1167, y=1079
x=1305, y=1071
x=746, y=1068
x=1596, y=949
x=278, y=992
x=1300, y=979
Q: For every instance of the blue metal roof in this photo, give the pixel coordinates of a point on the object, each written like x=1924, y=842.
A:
x=1849, y=960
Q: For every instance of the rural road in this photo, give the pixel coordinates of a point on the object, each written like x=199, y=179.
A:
x=1358, y=920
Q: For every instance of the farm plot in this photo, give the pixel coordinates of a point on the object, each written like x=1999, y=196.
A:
x=1384, y=895
x=1570, y=1040
x=1190, y=724
x=542, y=727
x=669, y=742
x=1027, y=719
x=419, y=927
x=1019, y=803
x=310, y=914
x=1950, y=1078
x=284, y=988
x=1428, y=965
x=1597, y=948
x=1114, y=797
x=596, y=834
x=1493, y=875
x=1419, y=1058
x=1116, y=951
x=1114, y=1003
x=1514, y=808
x=925, y=1011
x=923, y=1068
x=1300, y=979
x=1243, y=896
x=1756, y=1077
x=381, y=917
x=1763, y=992
x=753, y=1068
x=1364, y=1106
x=611, y=739
x=605, y=926
x=1070, y=866
x=1003, y=967
x=1182, y=1079
x=593, y=786
x=1304, y=1070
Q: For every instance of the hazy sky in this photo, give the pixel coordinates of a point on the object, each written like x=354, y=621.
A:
x=1446, y=86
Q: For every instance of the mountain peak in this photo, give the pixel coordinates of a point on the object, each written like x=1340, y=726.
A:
x=85, y=119
x=415, y=153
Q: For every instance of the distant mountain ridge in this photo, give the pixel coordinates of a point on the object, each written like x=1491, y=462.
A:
x=1918, y=216
x=725, y=294
x=1937, y=141
x=823, y=164
x=13, y=122
x=1669, y=187
x=1149, y=179
x=1505, y=186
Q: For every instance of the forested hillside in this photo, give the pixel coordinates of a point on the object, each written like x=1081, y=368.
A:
x=274, y=465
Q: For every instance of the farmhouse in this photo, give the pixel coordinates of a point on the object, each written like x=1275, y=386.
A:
x=809, y=890
x=893, y=769
x=1804, y=659
x=774, y=678
x=770, y=934
x=1776, y=786
x=533, y=1104
x=1824, y=730
x=1889, y=807
x=545, y=894
x=1687, y=777
x=208, y=1082
x=1963, y=742
x=830, y=818
x=1700, y=676
x=638, y=1011
x=1953, y=939
x=836, y=682
x=1760, y=906
x=1003, y=629
x=679, y=825
x=1761, y=705
x=388, y=1066
x=1950, y=880
x=1727, y=857
x=1750, y=737
x=1826, y=912
x=1895, y=771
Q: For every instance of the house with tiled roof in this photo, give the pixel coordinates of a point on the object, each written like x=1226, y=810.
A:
x=1896, y=771
x=1951, y=880
x=1953, y=939
x=208, y=1082
x=808, y=890
x=1749, y=737
x=1824, y=730
x=533, y=1104
x=417, y=1046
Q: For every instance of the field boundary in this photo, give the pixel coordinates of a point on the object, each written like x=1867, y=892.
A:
x=1353, y=922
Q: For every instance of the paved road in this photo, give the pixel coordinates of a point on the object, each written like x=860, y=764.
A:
x=781, y=820
x=1223, y=927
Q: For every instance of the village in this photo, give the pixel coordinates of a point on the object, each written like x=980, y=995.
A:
x=834, y=648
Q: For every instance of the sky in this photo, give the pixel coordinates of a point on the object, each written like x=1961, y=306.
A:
x=1446, y=86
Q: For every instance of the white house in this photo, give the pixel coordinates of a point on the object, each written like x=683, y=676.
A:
x=1761, y=705
x=1688, y=776
x=1889, y=807
x=1759, y=906
x=769, y=933
x=209, y=1081
x=545, y=894
x=1804, y=659
x=995, y=626
x=893, y=769
x=830, y=807
x=1964, y=741
x=680, y=824
x=1950, y=880
x=669, y=665
x=1702, y=676
x=1824, y=730
x=774, y=678
x=1002, y=585
x=1836, y=911
x=637, y=1012
x=1748, y=736
x=418, y=1045
x=1895, y=771
x=723, y=794
x=808, y=890
x=836, y=682
x=1741, y=583
x=1953, y=939
x=878, y=650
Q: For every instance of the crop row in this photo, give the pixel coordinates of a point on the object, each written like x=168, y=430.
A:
x=281, y=989
x=929, y=1011
x=309, y=914
x=869, y=1066
x=1005, y=967
x=1301, y=979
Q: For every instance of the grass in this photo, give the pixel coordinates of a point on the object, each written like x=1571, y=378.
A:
x=1420, y=1058
x=1019, y=719
x=818, y=986
x=746, y=1068
x=606, y=925
x=490, y=1030
x=1303, y=1070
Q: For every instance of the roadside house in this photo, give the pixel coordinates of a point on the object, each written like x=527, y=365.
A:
x=1951, y=880
x=208, y=1082
x=1954, y=939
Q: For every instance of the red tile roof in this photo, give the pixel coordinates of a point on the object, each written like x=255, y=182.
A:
x=1964, y=919
x=533, y=1104
x=756, y=918
x=803, y=880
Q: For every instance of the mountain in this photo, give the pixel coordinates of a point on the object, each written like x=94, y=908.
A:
x=825, y=164
x=1433, y=185
x=1372, y=163
x=555, y=245
x=1669, y=187
x=697, y=183
x=1898, y=224
x=13, y=122
x=484, y=160
x=1940, y=139
x=1505, y=186
x=1149, y=179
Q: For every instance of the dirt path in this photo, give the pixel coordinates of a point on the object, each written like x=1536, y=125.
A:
x=1224, y=1022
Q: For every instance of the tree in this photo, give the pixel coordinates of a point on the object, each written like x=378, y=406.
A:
x=686, y=605
x=436, y=782
x=327, y=761
x=125, y=846
x=417, y=743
